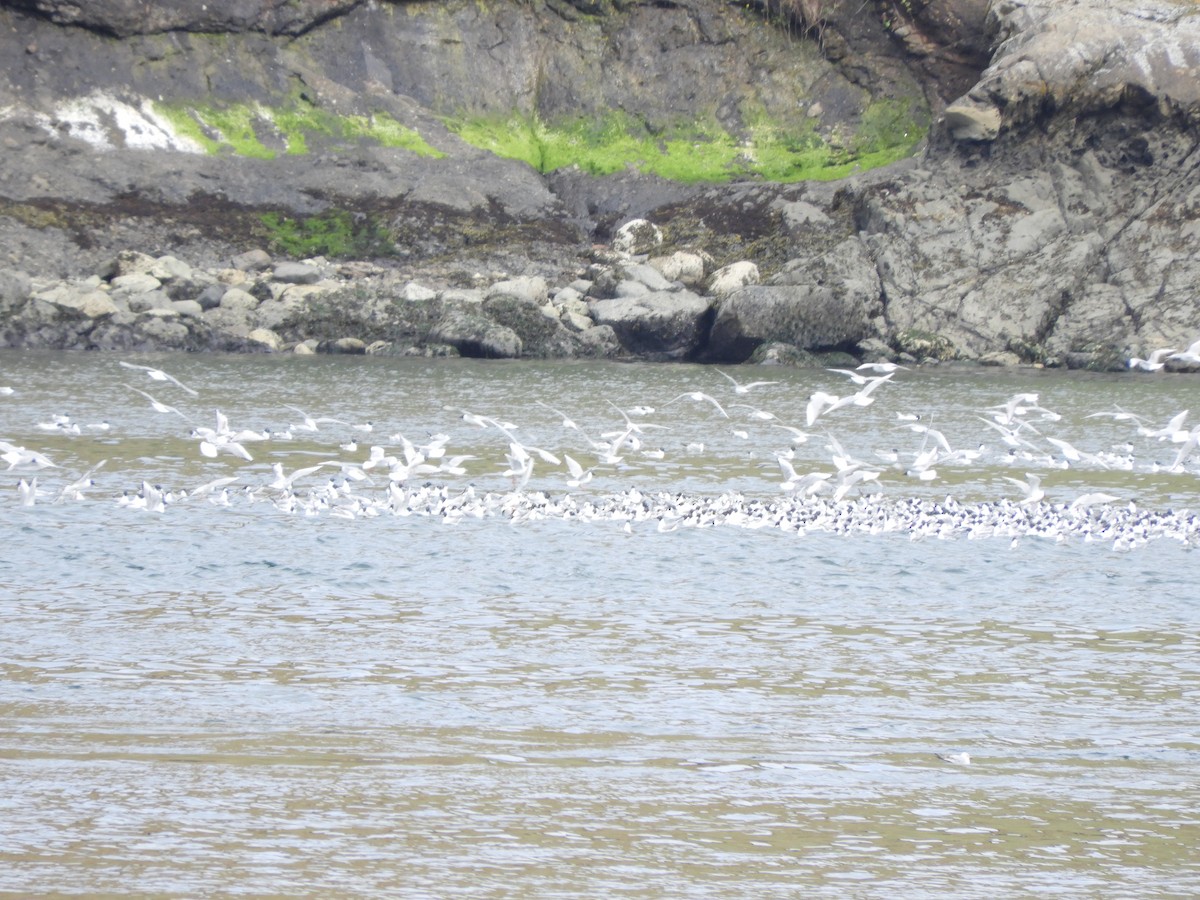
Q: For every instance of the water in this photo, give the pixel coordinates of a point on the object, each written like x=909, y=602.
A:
x=238, y=700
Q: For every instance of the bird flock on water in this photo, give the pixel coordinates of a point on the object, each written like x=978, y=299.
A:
x=825, y=489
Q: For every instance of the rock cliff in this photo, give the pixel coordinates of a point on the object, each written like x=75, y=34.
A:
x=1011, y=180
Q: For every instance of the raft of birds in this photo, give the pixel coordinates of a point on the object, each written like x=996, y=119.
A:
x=846, y=498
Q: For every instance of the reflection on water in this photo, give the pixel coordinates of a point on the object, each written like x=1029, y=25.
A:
x=220, y=700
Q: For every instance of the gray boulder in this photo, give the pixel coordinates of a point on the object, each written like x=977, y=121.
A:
x=600, y=342
x=528, y=288
x=15, y=289
x=296, y=273
x=681, y=265
x=148, y=301
x=636, y=237
x=251, y=260
x=134, y=283
x=540, y=335
x=417, y=292
x=345, y=346
x=89, y=304
x=648, y=275
x=630, y=289
x=475, y=335
x=661, y=324
x=238, y=300
x=210, y=297
x=730, y=278
x=826, y=304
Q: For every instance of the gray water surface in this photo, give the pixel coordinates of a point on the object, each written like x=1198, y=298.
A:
x=238, y=700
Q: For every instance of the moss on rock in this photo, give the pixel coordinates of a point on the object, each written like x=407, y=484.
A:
x=262, y=132
x=699, y=150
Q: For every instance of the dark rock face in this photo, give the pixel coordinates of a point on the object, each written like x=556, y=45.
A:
x=88, y=152
x=124, y=18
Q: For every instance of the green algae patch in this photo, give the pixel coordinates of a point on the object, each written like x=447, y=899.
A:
x=697, y=151
x=686, y=151
x=185, y=124
x=261, y=132
x=338, y=234
x=600, y=147
x=386, y=131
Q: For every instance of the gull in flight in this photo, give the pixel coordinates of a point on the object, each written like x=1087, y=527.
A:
x=210, y=487
x=481, y=421
x=158, y=407
x=700, y=397
x=739, y=388
x=798, y=436
x=922, y=467
x=520, y=466
x=805, y=485
x=930, y=432
x=1190, y=356
x=311, y=424
x=840, y=458
x=284, y=482
x=19, y=456
x=454, y=465
x=1073, y=455
x=1012, y=436
x=567, y=421
x=1117, y=415
x=1084, y=501
x=579, y=475
x=883, y=368
x=74, y=490
x=224, y=445
x=755, y=413
x=850, y=476
x=820, y=403
x=609, y=453
x=1012, y=408
x=863, y=397
x=853, y=374
x=1189, y=444
x=1173, y=430
x=1031, y=489
x=472, y=419
x=158, y=375
x=631, y=425
x=519, y=452
x=1155, y=361
x=149, y=496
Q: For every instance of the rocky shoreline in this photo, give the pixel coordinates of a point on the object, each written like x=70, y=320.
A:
x=625, y=300
x=1047, y=217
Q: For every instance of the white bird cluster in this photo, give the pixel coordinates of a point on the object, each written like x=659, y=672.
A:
x=1159, y=358
x=838, y=491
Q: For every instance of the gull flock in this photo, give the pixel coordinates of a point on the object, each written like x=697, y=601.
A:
x=820, y=486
